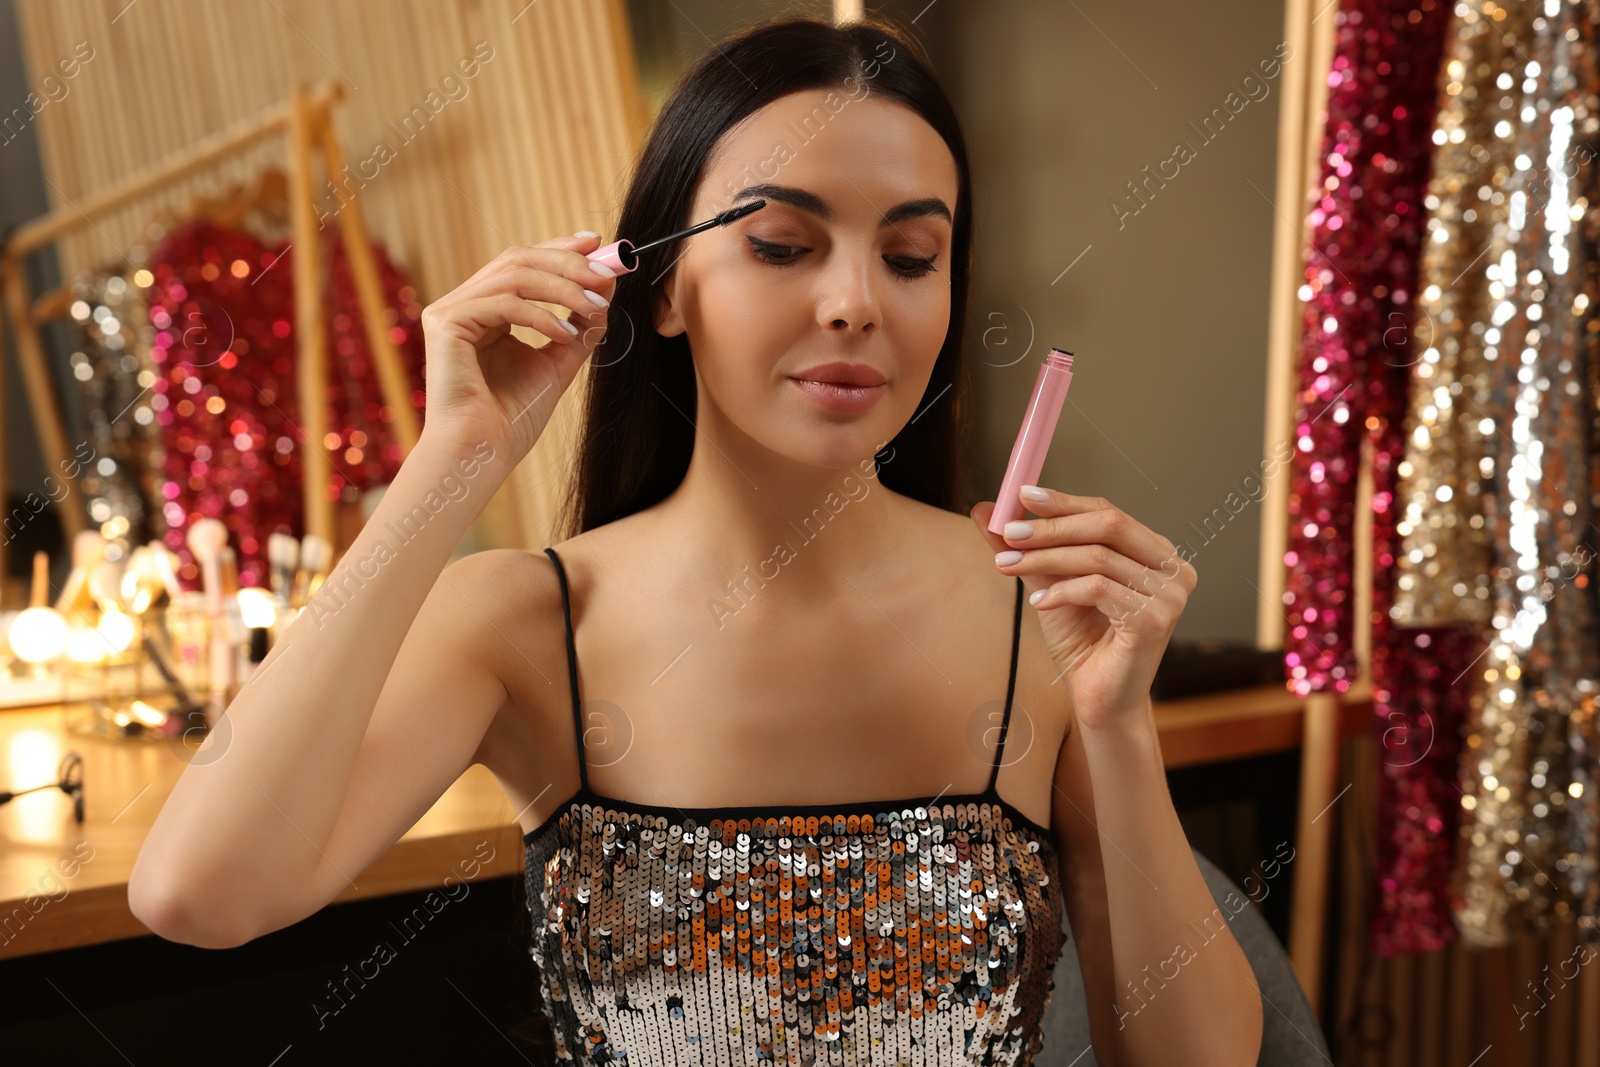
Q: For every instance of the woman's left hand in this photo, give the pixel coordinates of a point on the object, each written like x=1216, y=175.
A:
x=1112, y=591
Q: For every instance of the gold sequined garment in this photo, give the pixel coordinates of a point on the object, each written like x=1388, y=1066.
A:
x=1504, y=420
x=896, y=932
x=1442, y=574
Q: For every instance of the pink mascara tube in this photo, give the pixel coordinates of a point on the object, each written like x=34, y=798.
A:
x=1033, y=440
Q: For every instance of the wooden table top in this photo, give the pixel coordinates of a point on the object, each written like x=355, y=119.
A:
x=63, y=885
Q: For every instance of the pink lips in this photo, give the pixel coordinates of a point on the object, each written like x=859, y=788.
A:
x=841, y=386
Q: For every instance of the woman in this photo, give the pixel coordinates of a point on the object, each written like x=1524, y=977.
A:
x=769, y=625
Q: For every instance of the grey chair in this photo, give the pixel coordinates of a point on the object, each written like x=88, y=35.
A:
x=1291, y=1035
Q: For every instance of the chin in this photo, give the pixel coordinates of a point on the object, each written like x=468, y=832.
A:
x=850, y=449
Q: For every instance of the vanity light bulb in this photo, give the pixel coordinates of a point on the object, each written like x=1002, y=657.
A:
x=38, y=635
x=257, y=607
x=85, y=645
x=116, y=630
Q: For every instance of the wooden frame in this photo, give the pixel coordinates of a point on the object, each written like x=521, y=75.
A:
x=306, y=118
x=1308, y=28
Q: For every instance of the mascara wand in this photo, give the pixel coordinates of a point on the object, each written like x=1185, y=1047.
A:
x=623, y=256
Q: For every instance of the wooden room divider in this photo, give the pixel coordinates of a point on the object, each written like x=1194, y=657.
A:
x=305, y=118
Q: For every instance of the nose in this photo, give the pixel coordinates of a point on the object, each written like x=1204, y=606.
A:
x=849, y=301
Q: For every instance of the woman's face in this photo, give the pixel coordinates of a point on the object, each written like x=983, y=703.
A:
x=817, y=276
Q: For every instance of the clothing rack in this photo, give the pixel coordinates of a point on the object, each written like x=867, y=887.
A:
x=306, y=118
x=1437, y=1000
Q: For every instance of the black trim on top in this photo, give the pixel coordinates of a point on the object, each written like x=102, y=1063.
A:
x=703, y=815
x=572, y=668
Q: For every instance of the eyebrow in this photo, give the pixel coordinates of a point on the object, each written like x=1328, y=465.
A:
x=805, y=200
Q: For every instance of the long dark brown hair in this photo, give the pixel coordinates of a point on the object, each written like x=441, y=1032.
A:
x=637, y=434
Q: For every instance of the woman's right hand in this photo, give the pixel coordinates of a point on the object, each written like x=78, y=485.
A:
x=483, y=384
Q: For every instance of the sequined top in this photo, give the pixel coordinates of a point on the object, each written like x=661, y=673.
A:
x=919, y=931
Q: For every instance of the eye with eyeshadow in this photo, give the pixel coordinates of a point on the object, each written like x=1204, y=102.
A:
x=908, y=268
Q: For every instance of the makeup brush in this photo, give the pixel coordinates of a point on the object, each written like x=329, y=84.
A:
x=39, y=593
x=105, y=586
x=165, y=564
x=134, y=578
x=141, y=583
x=206, y=539
x=283, y=555
x=316, y=556
x=623, y=256
x=88, y=549
x=190, y=711
x=227, y=630
x=228, y=572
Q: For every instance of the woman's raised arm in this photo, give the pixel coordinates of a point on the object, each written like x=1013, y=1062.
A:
x=377, y=696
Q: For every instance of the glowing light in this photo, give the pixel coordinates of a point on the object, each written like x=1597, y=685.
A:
x=38, y=635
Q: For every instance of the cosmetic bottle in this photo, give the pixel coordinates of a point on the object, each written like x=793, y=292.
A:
x=227, y=636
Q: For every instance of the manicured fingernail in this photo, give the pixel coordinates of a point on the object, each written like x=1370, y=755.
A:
x=1018, y=531
x=1037, y=595
x=586, y=233
x=601, y=269
x=573, y=330
x=1007, y=558
x=1033, y=492
x=596, y=299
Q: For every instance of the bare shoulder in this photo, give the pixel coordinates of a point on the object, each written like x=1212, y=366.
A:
x=517, y=595
x=502, y=584
x=956, y=549
x=512, y=604
x=1040, y=688
x=632, y=541
x=949, y=534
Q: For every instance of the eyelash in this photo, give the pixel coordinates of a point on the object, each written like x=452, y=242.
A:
x=764, y=251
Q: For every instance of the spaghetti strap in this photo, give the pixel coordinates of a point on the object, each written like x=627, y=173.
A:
x=572, y=665
x=1011, y=688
